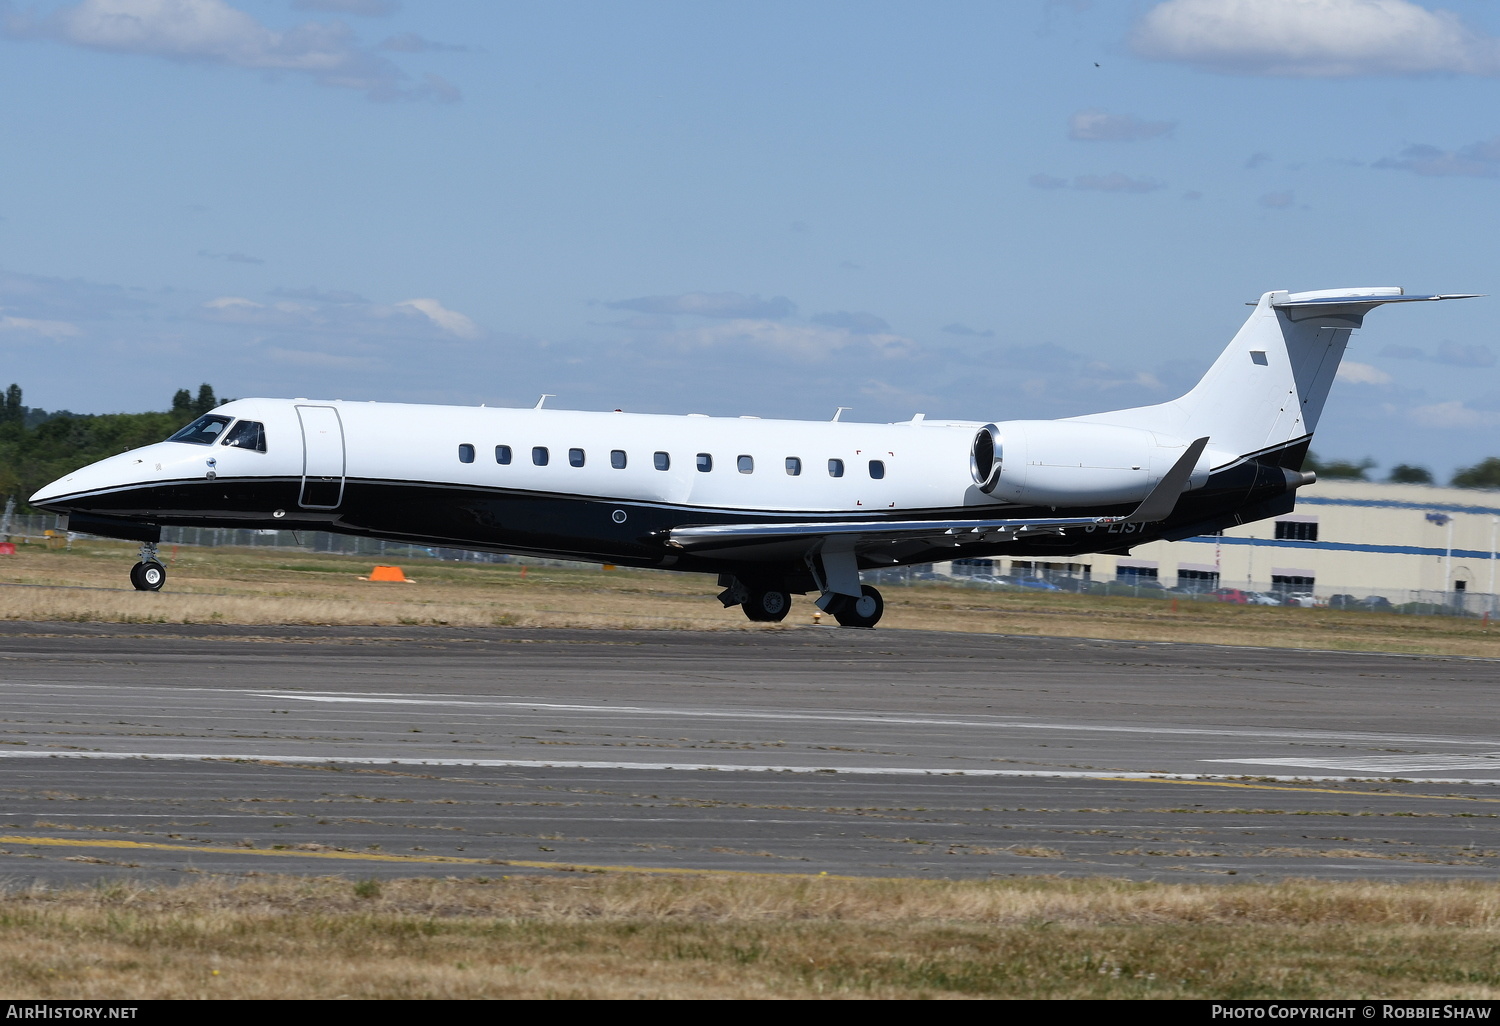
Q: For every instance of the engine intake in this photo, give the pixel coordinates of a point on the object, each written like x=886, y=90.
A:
x=986, y=457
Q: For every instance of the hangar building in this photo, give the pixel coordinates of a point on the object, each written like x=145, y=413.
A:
x=1406, y=543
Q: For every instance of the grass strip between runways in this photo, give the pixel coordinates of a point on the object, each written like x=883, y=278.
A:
x=615, y=935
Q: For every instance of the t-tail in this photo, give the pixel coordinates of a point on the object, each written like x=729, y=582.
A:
x=1266, y=391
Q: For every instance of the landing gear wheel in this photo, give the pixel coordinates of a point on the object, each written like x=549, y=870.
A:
x=767, y=606
x=864, y=611
x=148, y=576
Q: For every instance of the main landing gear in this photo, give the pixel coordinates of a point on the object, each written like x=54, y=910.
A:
x=148, y=574
x=864, y=611
x=770, y=604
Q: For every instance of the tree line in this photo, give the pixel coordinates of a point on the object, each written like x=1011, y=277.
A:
x=38, y=446
x=1484, y=474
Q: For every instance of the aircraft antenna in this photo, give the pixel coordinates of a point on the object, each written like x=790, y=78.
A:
x=841, y=411
x=544, y=398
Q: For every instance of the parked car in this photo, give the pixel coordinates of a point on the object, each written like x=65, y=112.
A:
x=1039, y=583
x=1260, y=598
x=1239, y=598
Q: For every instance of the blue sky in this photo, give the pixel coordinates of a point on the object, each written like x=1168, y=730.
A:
x=970, y=210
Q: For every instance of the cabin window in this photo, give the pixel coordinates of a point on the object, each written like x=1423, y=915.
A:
x=746, y=464
x=793, y=465
x=877, y=469
x=247, y=434
x=502, y=455
x=705, y=463
x=539, y=455
x=662, y=461
x=575, y=457
x=835, y=468
x=203, y=431
x=466, y=453
x=617, y=458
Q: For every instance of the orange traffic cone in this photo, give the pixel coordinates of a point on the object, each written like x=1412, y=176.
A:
x=388, y=573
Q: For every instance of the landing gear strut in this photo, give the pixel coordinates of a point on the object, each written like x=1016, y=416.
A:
x=148, y=574
x=864, y=611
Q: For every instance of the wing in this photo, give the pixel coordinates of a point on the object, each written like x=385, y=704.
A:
x=1157, y=506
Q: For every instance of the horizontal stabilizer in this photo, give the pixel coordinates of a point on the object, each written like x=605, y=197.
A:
x=1317, y=299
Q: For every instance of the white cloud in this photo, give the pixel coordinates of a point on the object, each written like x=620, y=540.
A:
x=1454, y=414
x=1117, y=182
x=804, y=341
x=232, y=303
x=710, y=304
x=1101, y=126
x=213, y=32
x=1314, y=38
x=316, y=360
x=1362, y=374
x=1477, y=160
x=368, y=8
x=55, y=330
x=450, y=321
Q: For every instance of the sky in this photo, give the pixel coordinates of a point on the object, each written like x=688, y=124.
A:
x=971, y=210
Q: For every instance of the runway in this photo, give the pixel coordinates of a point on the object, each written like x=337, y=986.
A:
x=160, y=750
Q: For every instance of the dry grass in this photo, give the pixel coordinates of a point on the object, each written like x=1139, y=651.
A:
x=278, y=587
x=617, y=936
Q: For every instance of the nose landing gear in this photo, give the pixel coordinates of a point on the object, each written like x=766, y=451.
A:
x=148, y=574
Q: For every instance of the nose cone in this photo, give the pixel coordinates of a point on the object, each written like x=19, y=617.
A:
x=46, y=497
x=72, y=491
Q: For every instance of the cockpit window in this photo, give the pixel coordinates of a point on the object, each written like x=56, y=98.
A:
x=203, y=431
x=247, y=434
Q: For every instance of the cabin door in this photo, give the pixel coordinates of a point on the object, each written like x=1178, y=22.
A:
x=322, y=457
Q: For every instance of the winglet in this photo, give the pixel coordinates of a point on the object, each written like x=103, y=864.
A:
x=1163, y=498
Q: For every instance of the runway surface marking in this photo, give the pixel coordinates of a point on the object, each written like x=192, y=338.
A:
x=686, y=767
x=1256, y=786
x=1302, y=735
x=998, y=722
x=72, y=842
x=1385, y=763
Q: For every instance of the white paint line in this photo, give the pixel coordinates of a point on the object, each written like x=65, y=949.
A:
x=1387, y=764
x=901, y=771
x=384, y=698
x=997, y=723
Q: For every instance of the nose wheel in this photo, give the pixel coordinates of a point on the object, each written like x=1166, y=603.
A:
x=148, y=574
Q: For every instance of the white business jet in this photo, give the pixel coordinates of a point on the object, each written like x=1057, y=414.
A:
x=774, y=507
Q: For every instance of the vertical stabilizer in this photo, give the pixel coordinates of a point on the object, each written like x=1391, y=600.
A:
x=1268, y=387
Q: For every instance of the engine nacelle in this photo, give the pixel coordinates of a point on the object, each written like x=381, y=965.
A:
x=1064, y=463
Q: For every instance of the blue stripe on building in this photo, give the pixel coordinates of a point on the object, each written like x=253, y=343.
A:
x=1440, y=507
x=1403, y=550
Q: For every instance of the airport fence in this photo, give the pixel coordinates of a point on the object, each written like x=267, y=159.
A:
x=1357, y=598
x=47, y=528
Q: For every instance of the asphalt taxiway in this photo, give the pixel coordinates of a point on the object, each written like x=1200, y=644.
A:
x=161, y=750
